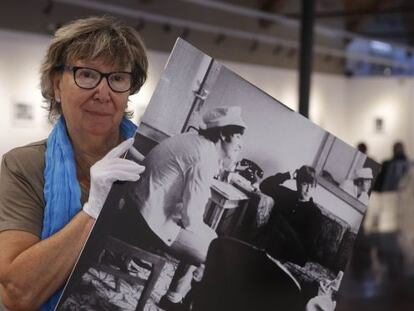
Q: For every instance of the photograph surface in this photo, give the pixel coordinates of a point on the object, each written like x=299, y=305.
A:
x=243, y=205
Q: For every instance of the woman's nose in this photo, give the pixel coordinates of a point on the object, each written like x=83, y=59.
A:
x=102, y=91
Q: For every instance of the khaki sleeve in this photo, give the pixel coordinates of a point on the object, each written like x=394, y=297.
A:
x=21, y=194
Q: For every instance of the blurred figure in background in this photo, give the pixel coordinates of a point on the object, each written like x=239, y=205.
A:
x=406, y=219
x=393, y=170
x=385, y=220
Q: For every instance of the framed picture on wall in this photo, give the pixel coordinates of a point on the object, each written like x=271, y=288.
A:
x=22, y=113
x=241, y=200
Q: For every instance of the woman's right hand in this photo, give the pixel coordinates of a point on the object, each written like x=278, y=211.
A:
x=105, y=172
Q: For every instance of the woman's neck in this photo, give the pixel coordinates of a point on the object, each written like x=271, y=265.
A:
x=93, y=151
x=92, y=148
x=88, y=151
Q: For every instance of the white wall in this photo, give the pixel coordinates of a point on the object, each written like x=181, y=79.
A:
x=386, y=98
x=20, y=57
x=328, y=104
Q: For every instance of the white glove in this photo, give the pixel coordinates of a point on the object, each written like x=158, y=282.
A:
x=321, y=303
x=327, y=287
x=105, y=172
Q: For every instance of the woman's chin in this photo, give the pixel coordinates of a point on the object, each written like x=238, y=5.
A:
x=99, y=129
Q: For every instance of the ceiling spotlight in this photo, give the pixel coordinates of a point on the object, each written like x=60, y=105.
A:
x=381, y=47
x=277, y=49
x=52, y=27
x=327, y=58
x=291, y=52
x=349, y=73
x=140, y=25
x=254, y=46
x=48, y=8
x=220, y=38
x=166, y=27
x=342, y=61
x=185, y=33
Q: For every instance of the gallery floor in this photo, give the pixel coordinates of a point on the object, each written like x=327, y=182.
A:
x=376, y=290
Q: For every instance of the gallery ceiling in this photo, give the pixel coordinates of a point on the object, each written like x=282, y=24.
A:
x=351, y=37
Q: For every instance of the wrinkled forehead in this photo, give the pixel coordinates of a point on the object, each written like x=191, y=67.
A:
x=117, y=63
x=108, y=53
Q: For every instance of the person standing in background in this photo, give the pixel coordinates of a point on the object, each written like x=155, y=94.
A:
x=386, y=222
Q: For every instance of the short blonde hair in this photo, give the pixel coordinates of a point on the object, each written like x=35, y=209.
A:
x=86, y=39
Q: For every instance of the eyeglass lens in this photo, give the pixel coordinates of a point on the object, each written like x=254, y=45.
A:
x=89, y=78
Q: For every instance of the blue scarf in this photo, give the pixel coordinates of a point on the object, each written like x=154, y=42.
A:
x=62, y=191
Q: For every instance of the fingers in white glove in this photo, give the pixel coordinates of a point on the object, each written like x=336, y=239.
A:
x=91, y=210
x=136, y=155
x=321, y=303
x=108, y=170
x=120, y=149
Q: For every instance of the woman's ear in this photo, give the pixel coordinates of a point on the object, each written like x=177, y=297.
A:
x=57, y=78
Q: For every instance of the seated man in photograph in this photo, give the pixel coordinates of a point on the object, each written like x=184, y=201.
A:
x=294, y=222
x=174, y=189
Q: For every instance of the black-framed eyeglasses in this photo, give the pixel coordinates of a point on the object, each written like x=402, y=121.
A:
x=88, y=78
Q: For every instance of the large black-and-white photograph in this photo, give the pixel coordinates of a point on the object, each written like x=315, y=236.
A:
x=243, y=205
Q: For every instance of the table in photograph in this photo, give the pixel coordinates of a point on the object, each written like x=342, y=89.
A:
x=224, y=196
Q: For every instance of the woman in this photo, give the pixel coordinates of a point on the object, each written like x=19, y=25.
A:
x=52, y=191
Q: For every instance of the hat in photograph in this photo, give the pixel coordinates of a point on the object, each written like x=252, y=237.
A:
x=364, y=173
x=223, y=116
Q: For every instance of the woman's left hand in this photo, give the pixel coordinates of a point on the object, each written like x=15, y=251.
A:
x=321, y=303
x=105, y=172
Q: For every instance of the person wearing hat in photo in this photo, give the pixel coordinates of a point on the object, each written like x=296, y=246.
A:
x=360, y=185
x=175, y=187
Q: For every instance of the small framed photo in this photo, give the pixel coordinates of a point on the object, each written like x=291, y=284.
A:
x=22, y=113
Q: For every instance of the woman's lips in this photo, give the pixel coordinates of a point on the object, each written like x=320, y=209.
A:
x=99, y=113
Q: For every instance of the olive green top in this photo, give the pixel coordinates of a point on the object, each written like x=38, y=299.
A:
x=22, y=181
